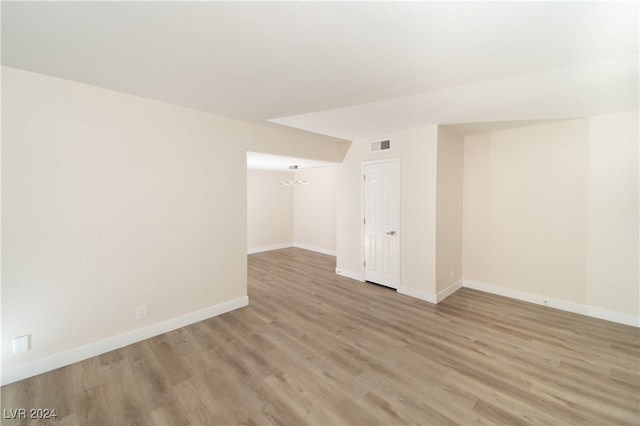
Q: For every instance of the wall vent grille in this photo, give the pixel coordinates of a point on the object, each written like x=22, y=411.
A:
x=380, y=146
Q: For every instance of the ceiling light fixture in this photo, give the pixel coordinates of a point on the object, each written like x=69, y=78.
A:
x=294, y=182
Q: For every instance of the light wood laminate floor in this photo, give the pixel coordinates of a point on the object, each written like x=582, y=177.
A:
x=315, y=348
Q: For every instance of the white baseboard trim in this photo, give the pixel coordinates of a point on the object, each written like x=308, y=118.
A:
x=269, y=248
x=430, y=297
x=564, y=305
x=443, y=294
x=90, y=350
x=418, y=294
x=358, y=276
x=316, y=249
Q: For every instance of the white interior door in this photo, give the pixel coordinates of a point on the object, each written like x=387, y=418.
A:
x=381, y=223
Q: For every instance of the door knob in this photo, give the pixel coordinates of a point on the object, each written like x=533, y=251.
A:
x=391, y=233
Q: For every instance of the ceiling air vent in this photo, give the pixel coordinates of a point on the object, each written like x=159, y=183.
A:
x=380, y=146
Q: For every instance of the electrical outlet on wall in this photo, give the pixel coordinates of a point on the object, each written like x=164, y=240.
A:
x=141, y=312
x=21, y=344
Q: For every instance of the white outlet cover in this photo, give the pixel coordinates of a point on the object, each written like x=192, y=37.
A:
x=21, y=344
x=141, y=312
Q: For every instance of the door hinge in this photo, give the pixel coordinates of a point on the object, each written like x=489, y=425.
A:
x=364, y=263
x=364, y=220
x=364, y=177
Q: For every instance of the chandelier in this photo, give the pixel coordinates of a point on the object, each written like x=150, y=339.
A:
x=294, y=182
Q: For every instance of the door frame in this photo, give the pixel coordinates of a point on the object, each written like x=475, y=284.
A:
x=362, y=214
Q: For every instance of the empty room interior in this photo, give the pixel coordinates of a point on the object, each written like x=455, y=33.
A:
x=320, y=213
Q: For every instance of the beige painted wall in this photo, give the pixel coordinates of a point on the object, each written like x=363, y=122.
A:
x=290, y=142
x=269, y=210
x=302, y=216
x=552, y=210
x=314, y=209
x=449, y=209
x=416, y=150
x=111, y=201
x=613, y=278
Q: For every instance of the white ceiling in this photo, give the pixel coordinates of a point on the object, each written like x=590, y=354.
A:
x=346, y=69
x=260, y=161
